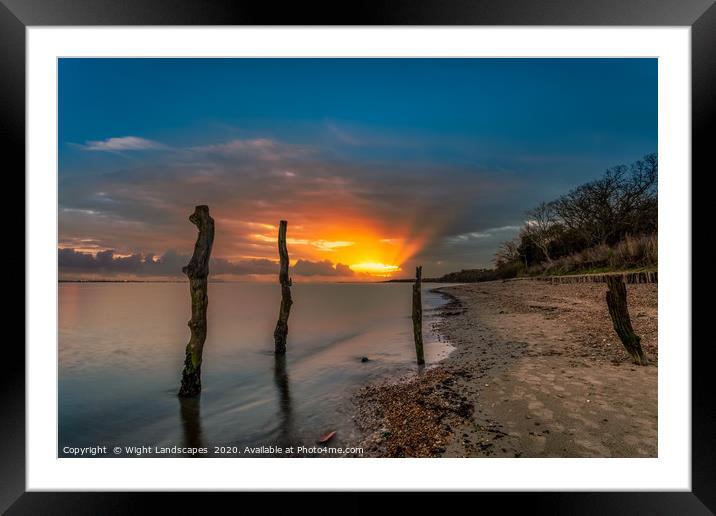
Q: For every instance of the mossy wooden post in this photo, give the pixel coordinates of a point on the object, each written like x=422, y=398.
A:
x=281, y=331
x=418, y=316
x=198, y=272
x=617, y=303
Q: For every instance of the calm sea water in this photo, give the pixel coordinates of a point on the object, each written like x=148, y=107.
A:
x=121, y=349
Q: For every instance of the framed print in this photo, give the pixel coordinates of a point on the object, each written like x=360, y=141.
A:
x=415, y=250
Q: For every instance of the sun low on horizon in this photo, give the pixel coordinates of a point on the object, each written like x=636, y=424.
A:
x=340, y=253
x=368, y=253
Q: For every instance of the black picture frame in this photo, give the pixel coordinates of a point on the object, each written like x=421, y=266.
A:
x=16, y=15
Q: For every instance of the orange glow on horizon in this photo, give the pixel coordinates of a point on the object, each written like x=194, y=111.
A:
x=369, y=251
x=374, y=268
x=348, y=236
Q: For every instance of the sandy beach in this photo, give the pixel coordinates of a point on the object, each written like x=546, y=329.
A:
x=538, y=371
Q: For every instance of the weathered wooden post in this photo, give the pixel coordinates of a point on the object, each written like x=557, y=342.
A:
x=617, y=303
x=281, y=331
x=418, y=316
x=197, y=271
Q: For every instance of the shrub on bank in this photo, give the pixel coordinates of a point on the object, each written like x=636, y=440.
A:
x=630, y=253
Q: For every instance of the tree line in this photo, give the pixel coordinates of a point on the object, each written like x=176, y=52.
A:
x=609, y=222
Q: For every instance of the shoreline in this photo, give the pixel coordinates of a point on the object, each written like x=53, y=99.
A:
x=537, y=372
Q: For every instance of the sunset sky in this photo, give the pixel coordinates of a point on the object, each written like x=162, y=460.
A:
x=377, y=164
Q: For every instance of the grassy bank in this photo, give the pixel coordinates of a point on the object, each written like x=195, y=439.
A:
x=631, y=254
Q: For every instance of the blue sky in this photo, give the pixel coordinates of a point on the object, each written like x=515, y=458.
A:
x=473, y=142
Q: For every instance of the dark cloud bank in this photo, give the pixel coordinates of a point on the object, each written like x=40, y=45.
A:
x=106, y=263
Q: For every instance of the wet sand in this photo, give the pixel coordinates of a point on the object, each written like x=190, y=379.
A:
x=538, y=372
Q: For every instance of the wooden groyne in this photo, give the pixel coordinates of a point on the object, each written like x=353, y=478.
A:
x=197, y=271
x=418, y=316
x=629, y=277
x=619, y=312
x=281, y=331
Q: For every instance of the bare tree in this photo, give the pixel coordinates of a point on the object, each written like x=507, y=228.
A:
x=508, y=252
x=542, y=227
x=622, y=201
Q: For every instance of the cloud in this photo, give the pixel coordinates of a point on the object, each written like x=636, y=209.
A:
x=72, y=261
x=328, y=245
x=321, y=245
x=320, y=268
x=341, y=135
x=504, y=228
x=124, y=143
x=107, y=262
x=149, y=265
x=343, y=270
x=263, y=149
x=334, y=205
x=238, y=183
x=487, y=233
x=254, y=266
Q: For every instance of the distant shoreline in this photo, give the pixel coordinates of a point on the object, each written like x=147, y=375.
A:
x=131, y=281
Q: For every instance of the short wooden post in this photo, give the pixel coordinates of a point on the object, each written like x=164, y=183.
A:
x=617, y=303
x=198, y=272
x=418, y=316
x=281, y=331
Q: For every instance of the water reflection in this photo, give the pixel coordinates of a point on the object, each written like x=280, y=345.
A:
x=113, y=387
x=190, y=411
x=280, y=378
